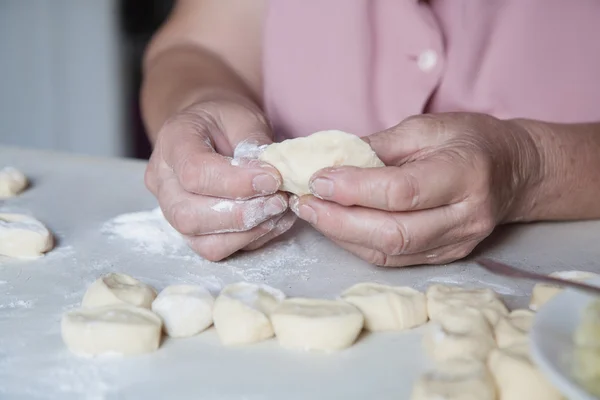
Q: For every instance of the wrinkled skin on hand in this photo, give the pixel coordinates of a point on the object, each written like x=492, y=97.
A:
x=449, y=180
x=221, y=205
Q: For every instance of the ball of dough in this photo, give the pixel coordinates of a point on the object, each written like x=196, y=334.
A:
x=117, y=288
x=298, y=159
x=517, y=378
x=460, y=379
x=588, y=332
x=186, y=310
x=439, y=297
x=12, y=182
x=241, y=312
x=460, y=332
x=116, y=329
x=543, y=292
x=514, y=328
x=22, y=236
x=316, y=324
x=388, y=308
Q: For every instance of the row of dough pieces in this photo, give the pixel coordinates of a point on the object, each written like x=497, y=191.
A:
x=477, y=345
x=21, y=236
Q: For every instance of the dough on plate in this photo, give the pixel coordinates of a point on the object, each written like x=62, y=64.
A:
x=514, y=328
x=460, y=332
x=456, y=380
x=316, y=324
x=586, y=360
x=298, y=159
x=543, y=292
x=440, y=297
x=117, y=329
x=12, y=182
x=184, y=309
x=517, y=378
x=241, y=312
x=117, y=288
x=388, y=308
x=22, y=236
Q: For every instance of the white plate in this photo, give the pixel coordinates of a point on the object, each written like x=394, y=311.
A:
x=552, y=347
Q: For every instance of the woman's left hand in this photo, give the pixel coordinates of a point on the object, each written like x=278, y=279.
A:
x=449, y=180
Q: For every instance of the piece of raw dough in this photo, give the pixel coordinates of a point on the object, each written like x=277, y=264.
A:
x=298, y=159
x=186, y=310
x=22, y=236
x=316, y=324
x=514, y=328
x=460, y=332
x=241, y=312
x=456, y=380
x=586, y=358
x=116, y=288
x=440, y=297
x=543, y=292
x=388, y=308
x=517, y=378
x=12, y=182
x=117, y=329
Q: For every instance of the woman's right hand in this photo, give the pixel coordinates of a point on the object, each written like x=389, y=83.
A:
x=219, y=203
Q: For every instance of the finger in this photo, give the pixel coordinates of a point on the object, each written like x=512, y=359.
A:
x=418, y=185
x=200, y=170
x=219, y=246
x=283, y=225
x=390, y=233
x=192, y=214
x=441, y=255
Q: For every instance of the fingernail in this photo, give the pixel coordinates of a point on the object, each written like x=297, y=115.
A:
x=275, y=206
x=265, y=184
x=294, y=200
x=322, y=187
x=308, y=214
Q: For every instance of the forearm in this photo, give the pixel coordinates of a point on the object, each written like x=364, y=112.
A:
x=178, y=77
x=567, y=185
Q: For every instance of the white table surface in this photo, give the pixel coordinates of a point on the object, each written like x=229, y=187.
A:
x=75, y=196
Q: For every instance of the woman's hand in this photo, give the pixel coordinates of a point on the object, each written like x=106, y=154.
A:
x=450, y=179
x=220, y=204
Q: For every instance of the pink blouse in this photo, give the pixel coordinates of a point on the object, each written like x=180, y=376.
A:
x=365, y=65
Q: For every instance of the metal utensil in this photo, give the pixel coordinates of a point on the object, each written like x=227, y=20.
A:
x=506, y=270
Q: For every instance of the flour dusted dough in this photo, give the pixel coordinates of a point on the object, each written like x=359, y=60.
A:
x=543, y=292
x=241, y=312
x=388, y=308
x=316, y=324
x=455, y=380
x=12, y=182
x=514, y=328
x=22, y=236
x=459, y=332
x=440, y=297
x=298, y=159
x=516, y=376
x=117, y=288
x=116, y=329
x=185, y=309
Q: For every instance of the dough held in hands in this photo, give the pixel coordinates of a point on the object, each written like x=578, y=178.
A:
x=316, y=324
x=298, y=159
x=517, y=378
x=116, y=329
x=439, y=297
x=514, y=328
x=543, y=292
x=22, y=236
x=241, y=312
x=117, y=288
x=388, y=308
x=460, y=379
x=12, y=182
x=185, y=310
